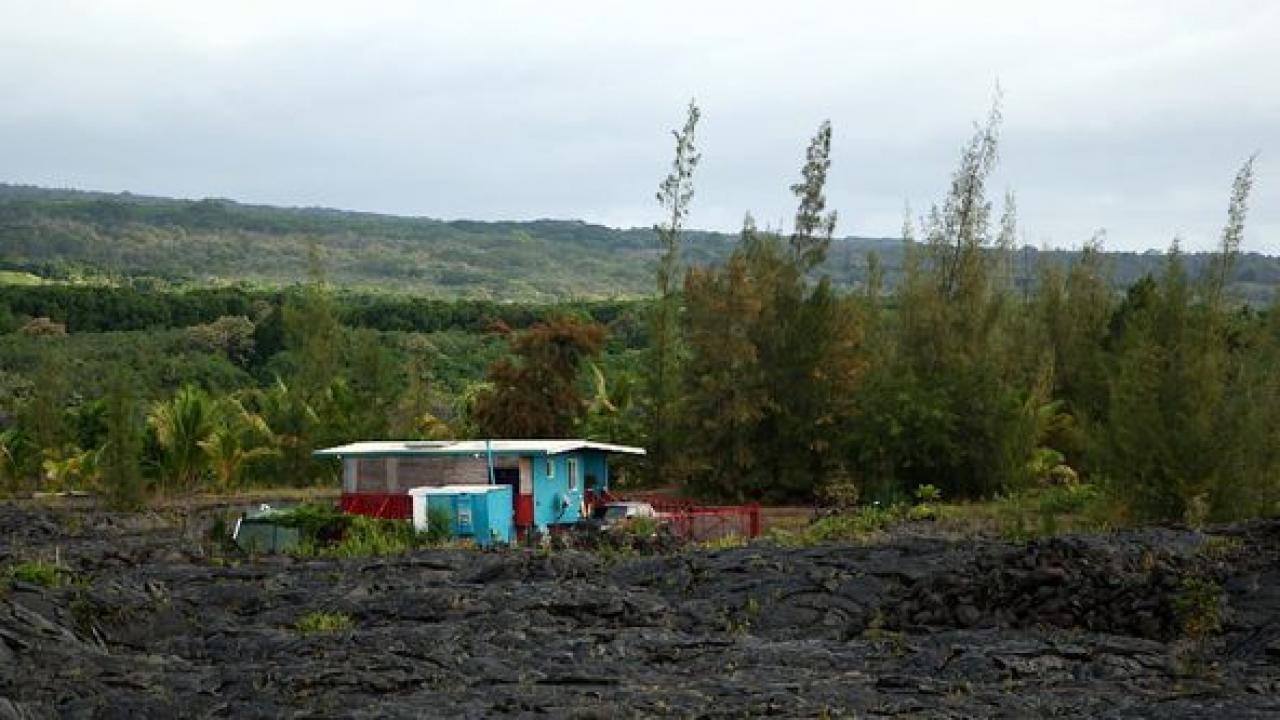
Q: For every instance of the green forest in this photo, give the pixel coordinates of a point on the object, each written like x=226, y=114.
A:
x=123, y=240
x=152, y=347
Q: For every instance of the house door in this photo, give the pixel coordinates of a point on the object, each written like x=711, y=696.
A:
x=510, y=477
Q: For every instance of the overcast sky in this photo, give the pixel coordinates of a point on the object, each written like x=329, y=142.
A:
x=1131, y=117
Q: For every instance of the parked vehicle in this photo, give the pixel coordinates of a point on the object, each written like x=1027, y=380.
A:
x=612, y=516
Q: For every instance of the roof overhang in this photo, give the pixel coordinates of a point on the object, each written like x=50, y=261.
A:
x=458, y=490
x=478, y=448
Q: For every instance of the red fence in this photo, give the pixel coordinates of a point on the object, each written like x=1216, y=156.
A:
x=699, y=523
x=704, y=524
x=389, y=506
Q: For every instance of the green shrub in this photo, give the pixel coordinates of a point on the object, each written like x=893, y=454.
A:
x=785, y=538
x=859, y=525
x=1054, y=510
x=1067, y=499
x=365, y=536
x=641, y=527
x=313, y=521
x=439, y=525
x=928, y=493
x=1198, y=607
x=838, y=491
x=318, y=622
x=1012, y=514
x=854, y=526
x=37, y=572
x=924, y=511
x=1063, y=475
x=326, y=531
x=1042, y=463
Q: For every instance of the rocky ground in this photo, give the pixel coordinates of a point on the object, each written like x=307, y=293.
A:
x=153, y=625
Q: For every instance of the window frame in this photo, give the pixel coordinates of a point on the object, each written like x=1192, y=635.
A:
x=571, y=469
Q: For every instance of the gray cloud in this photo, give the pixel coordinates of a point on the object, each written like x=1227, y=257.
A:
x=1128, y=116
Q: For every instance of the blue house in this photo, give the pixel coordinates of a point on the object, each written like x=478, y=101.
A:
x=550, y=480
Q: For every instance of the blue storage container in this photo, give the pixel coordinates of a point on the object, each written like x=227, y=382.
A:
x=484, y=513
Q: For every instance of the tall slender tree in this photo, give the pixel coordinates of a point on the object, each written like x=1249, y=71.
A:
x=811, y=239
x=43, y=416
x=1072, y=312
x=1219, y=274
x=775, y=356
x=662, y=379
x=727, y=395
x=810, y=345
x=312, y=333
x=121, y=473
x=964, y=395
x=1188, y=406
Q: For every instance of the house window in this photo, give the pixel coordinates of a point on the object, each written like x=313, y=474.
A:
x=572, y=465
x=551, y=469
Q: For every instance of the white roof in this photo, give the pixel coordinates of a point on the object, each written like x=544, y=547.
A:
x=471, y=447
x=457, y=489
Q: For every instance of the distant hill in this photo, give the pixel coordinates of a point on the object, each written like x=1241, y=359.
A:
x=60, y=233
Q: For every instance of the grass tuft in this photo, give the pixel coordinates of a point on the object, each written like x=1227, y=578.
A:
x=323, y=622
x=37, y=572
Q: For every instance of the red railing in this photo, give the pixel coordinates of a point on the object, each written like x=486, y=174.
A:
x=388, y=506
x=703, y=524
x=699, y=523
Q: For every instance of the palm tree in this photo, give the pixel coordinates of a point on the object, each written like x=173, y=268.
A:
x=181, y=426
x=70, y=468
x=231, y=445
x=611, y=413
x=292, y=424
x=13, y=447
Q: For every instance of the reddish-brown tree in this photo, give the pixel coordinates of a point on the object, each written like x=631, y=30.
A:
x=535, y=392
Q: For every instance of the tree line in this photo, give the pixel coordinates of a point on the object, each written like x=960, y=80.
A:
x=258, y=395
x=243, y=400
x=767, y=383
x=754, y=378
x=144, y=306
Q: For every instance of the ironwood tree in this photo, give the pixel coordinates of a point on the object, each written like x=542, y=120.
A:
x=312, y=333
x=774, y=356
x=956, y=401
x=727, y=395
x=809, y=344
x=666, y=350
x=1069, y=318
x=1192, y=416
x=121, y=472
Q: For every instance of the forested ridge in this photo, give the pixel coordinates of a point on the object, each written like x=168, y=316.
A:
x=70, y=234
x=771, y=365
